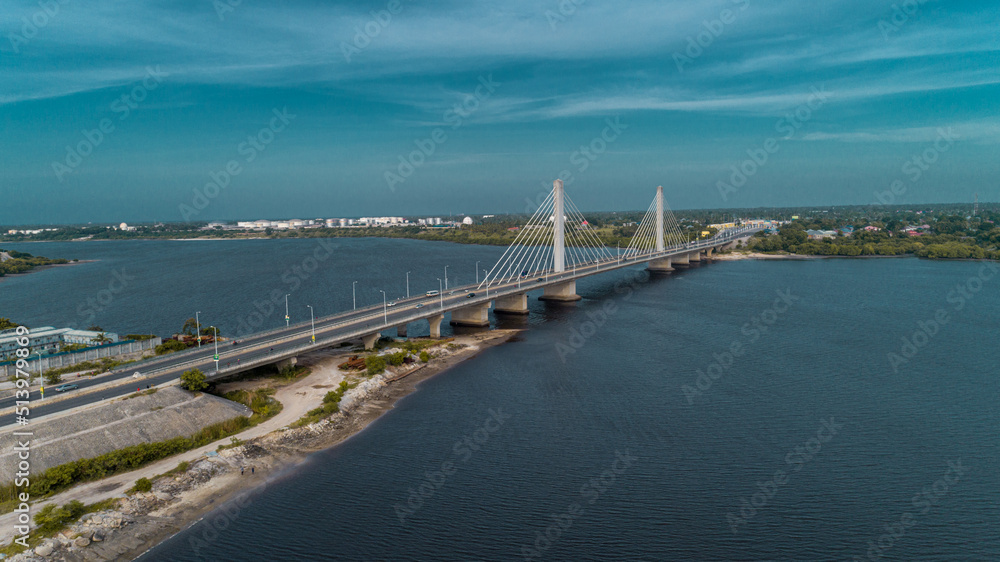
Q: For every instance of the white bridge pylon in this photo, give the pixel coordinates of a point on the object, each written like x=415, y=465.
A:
x=658, y=230
x=556, y=238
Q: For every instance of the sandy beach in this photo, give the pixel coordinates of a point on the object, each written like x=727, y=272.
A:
x=213, y=478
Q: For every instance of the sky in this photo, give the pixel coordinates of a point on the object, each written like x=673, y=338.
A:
x=198, y=110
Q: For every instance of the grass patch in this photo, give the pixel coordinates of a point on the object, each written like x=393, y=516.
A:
x=100, y=366
x=143, y=393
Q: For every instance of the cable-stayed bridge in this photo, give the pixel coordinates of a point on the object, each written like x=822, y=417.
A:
x=551, y=252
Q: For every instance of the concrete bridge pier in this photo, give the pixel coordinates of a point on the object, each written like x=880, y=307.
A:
x=285, y=363
x=709, y=252
x=401, y=331
x=474, y=316
x=683, y=259
x=696, y=256
x=370, y=340
x=561, y=292
x=661, y=265
x=514, y=304
x=435, y=322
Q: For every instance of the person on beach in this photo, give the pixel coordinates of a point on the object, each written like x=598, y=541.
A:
x=251, y=470
x=241, y=471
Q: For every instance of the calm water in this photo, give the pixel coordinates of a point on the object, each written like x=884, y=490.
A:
x=601, y=454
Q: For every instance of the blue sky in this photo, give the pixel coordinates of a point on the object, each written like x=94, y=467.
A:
x=693, y=90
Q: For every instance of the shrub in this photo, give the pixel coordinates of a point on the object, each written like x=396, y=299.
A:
x=397, y=359
x=142, y=485
x=375, y=364
x=424, y=356
x=50, y=519
x=193, y=380
x=170, y=346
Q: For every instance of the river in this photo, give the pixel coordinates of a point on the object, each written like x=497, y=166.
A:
x=746, y=410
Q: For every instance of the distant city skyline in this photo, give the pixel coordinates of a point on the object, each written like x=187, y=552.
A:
x=212, y=111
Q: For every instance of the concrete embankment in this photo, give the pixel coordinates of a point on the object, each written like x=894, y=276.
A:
x=168, y=413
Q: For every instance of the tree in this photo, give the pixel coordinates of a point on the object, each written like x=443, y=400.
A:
x=95, y=328
x=6, y=324
x=209, y=331
x=193, y=380
x=52, y=378
x=102, y=338
x=190, y=325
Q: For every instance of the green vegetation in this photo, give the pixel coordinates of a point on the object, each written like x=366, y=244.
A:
x=396, y=359
x=140, y=337
x=374, y=364
x=53, y=519
x=946, y=237
x=21, y=262
x=424, y=357
x=102, y=365
x=331, y=405
x=287, y=374
x=7, y=324
x=193, y=380
x=170, y=346
x=143, y=393
x=141, y=485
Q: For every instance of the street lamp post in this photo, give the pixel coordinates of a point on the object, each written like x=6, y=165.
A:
x=446, y=278
x=354, y=293
x=385, y=308
x=216, y=349
x=477, y=273
x=41, y=379
x=286, y=311
x=440, y=293
x=407, y=284
x=312, y=319
x=197, y=327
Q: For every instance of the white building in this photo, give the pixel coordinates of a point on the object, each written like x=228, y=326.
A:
x=49, y=340
x=467, y=221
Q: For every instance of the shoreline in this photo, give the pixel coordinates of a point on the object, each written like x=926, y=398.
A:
x=145, y=520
